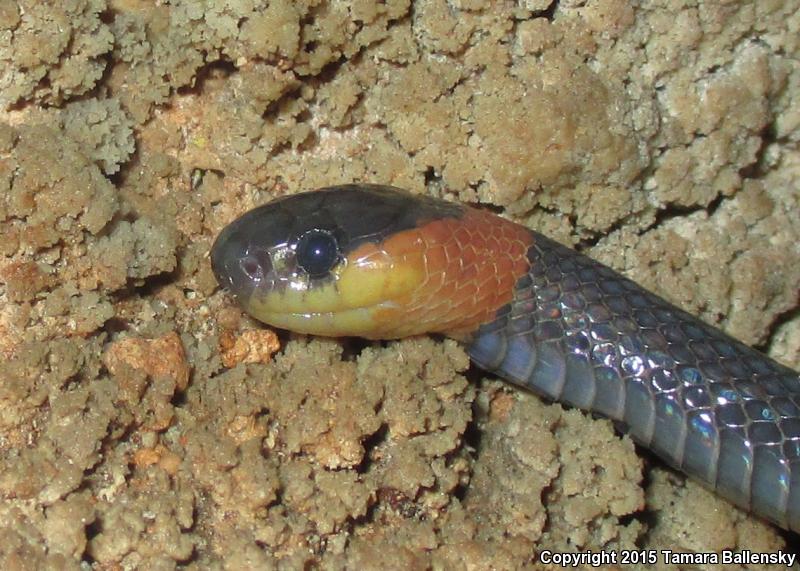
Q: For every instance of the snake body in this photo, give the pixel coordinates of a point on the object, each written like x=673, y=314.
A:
x=378, y=262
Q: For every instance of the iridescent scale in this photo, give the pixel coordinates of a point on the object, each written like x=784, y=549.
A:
x=580, y=333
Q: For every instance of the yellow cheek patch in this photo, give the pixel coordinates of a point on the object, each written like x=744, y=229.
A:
x=368, y=276
x=377, y=273
x=372, y=276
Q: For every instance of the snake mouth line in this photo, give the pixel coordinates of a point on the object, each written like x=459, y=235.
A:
x=344, y=323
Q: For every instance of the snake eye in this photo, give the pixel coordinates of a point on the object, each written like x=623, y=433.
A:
x=317, y=252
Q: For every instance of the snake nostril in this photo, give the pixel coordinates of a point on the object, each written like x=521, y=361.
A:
x=252, y=268
x=256, y=265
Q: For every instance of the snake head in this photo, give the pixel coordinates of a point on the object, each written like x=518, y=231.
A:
x=368, y=261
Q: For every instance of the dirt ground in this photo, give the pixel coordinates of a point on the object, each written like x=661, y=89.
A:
x=143, y=422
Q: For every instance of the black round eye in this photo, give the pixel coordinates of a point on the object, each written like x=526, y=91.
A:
x=317, y=252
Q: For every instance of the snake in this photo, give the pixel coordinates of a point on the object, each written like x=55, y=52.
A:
x=378, y=262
